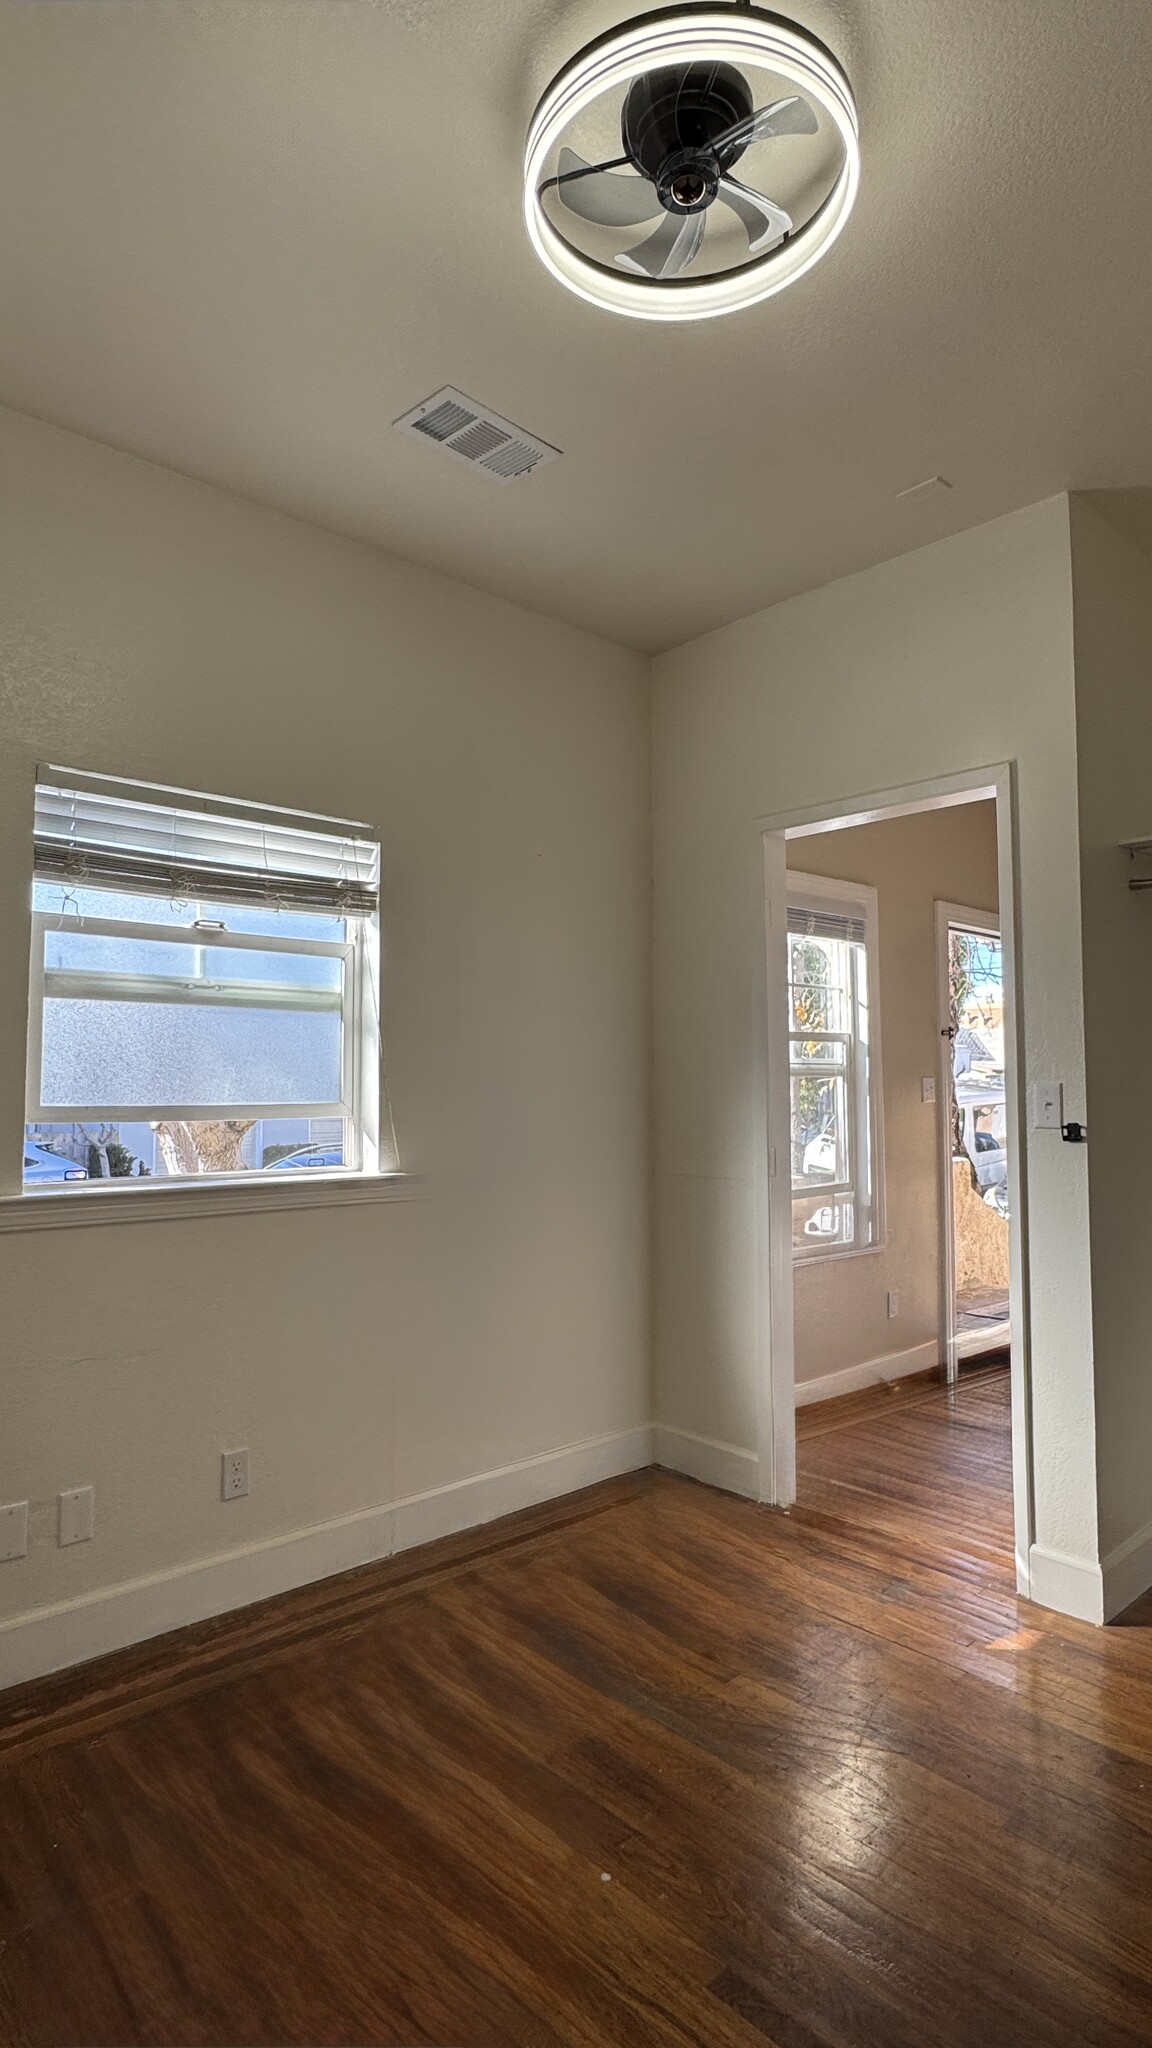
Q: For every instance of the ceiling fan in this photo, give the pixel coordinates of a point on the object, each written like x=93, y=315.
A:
x=689, y=89
x=683, y=128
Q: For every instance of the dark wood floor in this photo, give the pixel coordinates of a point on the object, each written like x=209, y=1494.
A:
x=649, y=1766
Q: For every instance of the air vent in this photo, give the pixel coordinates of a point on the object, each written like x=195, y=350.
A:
x=480, y=438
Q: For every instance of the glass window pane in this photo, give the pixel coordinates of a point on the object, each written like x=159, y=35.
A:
x=819, y=977
x=819, y=1130
x=131, y=1149
x=143, y=1054
x=78, y=951
x=821, y=1222
x=60, y=900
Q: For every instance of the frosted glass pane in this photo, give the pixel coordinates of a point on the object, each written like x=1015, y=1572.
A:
x=151, y=1054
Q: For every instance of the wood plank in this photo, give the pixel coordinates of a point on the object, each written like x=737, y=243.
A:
x=651, y=1766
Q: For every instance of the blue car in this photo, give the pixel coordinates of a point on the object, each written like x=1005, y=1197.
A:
x=311, y=1155
x=41, y=1163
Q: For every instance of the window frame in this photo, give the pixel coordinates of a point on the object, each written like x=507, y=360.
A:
x=863, y=1080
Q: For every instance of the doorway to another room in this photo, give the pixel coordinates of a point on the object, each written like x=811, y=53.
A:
x=900, y=1097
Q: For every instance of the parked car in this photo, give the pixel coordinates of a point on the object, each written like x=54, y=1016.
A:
x=820, y=1154
x=985, y=1148
x=41, y=1163
x=310, y=1155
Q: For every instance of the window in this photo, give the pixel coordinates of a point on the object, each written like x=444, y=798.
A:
x=834, y=1064
x=204, y=987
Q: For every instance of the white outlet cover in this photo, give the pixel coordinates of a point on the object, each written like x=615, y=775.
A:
x=76, y=1515
x=233, y=1474
x=13, y=1530
x=928, y=1089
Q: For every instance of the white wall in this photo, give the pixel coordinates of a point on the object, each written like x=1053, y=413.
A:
x=154, y=627
x=948, y=659
x=913, y=863
x=1112, y=584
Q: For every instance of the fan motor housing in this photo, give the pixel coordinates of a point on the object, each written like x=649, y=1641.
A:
x=670, y=119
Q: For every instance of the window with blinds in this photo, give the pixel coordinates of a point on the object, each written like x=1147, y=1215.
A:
x=204, y=986
x=834, y=1067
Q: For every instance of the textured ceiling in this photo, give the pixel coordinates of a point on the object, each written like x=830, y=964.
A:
x=240, y=238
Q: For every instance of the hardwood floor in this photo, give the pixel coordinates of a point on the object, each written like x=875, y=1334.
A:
x=651, y=1765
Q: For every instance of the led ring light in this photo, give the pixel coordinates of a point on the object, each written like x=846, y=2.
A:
x=737, y=35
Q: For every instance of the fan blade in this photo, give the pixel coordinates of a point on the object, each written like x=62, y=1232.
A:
x=598, y=196
x=784, y=117
x=670, y=250
x=767, y=223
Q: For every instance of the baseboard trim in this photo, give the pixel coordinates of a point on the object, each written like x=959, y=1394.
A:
x=1127, y=1572
x=704, y=1457
x=1071, y=1585
x=73, y=1631
x=874, y=1372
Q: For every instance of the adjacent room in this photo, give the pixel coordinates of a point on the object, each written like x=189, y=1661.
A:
x=575, y=849
x=900, y=1198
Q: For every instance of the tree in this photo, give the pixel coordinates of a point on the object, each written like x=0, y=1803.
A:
x=212, y=1147
x=810, y=1008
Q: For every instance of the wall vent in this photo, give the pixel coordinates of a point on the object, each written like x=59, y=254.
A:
x=479, y=437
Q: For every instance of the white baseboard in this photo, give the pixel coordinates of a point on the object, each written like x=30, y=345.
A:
x=702, y=1457
x=443, y=1510
x=51, y=1638
x=1072, y=1585
x=1127, y=1572
x=874, y=1372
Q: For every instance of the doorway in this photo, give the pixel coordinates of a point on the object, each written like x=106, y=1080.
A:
x=929, y=1361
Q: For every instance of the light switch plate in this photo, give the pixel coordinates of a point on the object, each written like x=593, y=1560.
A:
x=14, y=1530
x=928, y=1089
x=1047, y=1105
x=76, y=1510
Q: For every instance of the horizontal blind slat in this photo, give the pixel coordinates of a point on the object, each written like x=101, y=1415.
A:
x=144, y=848
x=826, y=924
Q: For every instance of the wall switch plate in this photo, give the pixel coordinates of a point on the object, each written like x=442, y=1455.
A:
x=893, y=1303
x=233, y=1474
x=1047, y=1105
x=14, y=1530
x=76, y=1511
x=928, y=1089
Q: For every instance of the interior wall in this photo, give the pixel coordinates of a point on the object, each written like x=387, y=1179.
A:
x=157, y=628
x=841, y=1303
x=944, y=661
x=1112, y=588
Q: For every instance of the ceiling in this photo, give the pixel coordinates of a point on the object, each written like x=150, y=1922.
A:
x=240, y=236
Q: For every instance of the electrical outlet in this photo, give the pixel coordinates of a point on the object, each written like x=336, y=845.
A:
x=233, y=1474
x=14, y=1530
x=893, y=1303
x=75, y=1514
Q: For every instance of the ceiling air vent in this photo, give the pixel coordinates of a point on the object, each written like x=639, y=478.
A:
x=480, y=438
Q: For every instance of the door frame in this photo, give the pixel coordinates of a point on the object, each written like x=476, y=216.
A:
x=775, y=1333
x=956, y=917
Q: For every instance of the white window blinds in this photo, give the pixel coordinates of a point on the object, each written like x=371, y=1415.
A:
x=827, y=923
x=100, y=832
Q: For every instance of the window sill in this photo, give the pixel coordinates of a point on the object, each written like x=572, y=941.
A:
x=166, y=1202
x=845, y=1251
